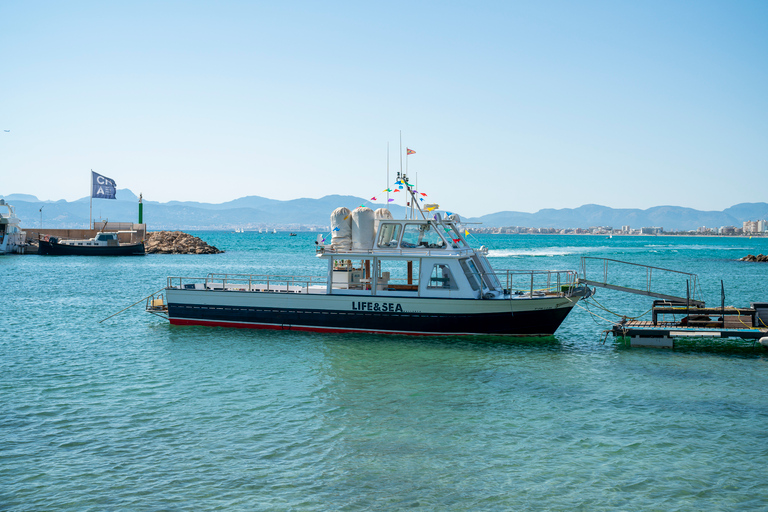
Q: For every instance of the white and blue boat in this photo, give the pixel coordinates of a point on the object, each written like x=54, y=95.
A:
x=382, y=275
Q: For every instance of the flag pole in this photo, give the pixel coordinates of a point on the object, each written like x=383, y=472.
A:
x=90, y=193
x=387, y=187
x=400, y=174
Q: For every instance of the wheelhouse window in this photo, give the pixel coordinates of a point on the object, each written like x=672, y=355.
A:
x=470, y=270
x=388, y=234
x=421, y=235
x=441, y=278
x=398, y=275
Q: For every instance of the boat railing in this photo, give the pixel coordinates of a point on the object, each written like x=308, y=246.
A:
x=536, y=282
x=397, y=251
x=248, y=283
x=636, y=278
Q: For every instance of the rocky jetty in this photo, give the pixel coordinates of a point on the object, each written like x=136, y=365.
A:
x=759, y=257
x=176, y=242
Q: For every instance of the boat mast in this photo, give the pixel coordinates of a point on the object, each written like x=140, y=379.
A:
x=387, y=187
x=400, y=174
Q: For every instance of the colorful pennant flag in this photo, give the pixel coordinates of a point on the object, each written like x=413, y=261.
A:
x=409, y=151
x=373, y=199
x=390, y=200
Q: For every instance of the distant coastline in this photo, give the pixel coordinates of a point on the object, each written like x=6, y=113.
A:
x=252, y=213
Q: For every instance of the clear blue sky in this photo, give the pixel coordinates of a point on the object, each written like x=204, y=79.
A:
x=509, y=105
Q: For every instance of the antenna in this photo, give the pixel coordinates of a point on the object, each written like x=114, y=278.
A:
x=387, y=187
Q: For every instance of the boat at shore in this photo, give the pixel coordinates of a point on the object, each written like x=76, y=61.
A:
x=12, y=238
x=411, y=276
x=103, y=244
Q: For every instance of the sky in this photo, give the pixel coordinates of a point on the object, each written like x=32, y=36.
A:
x=509, y=105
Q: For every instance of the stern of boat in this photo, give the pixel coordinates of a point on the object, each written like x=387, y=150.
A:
x=157, y=305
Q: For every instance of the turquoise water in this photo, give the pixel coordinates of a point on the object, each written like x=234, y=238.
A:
x=133, y=414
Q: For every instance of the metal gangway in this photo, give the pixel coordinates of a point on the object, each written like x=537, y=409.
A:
x=599, y=269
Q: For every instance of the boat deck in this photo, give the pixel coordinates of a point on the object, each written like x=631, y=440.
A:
x=661, y=334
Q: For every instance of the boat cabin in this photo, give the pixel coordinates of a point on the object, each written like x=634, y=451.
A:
x=425, y=258
x=100, y=240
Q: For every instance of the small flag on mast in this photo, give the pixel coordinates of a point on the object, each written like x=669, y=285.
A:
x=409, y=151
x=102, y=187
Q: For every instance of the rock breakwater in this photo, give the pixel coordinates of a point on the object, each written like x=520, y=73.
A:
x=176, y=242
x=759, y=257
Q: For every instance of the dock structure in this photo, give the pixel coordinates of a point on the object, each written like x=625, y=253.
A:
x=694, y=322
x=676, y=316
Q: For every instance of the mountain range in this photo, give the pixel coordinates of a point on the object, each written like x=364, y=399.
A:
x=255, y=212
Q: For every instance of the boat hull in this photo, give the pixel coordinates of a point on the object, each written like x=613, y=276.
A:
x=51, y=248
x=386, y=315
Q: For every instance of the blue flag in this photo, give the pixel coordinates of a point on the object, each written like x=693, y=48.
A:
x=102, y=187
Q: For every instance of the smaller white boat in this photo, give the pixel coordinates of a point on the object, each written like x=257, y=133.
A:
x=12, y=238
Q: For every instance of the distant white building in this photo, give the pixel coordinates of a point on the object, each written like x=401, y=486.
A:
x=625, y=229
x=749, y=226
x=754, y=226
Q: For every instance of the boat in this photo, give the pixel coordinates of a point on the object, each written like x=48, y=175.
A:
x=416, y=276
x=293, y=234
x=12, y=238
x=103, y=244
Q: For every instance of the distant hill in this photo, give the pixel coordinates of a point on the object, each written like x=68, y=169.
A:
x=671, y=218
x=255, y=212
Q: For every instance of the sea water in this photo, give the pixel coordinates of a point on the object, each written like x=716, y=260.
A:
x=130, y=413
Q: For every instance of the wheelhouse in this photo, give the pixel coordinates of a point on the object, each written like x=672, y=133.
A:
x=427, y=258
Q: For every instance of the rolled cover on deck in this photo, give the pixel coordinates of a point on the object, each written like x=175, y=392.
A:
x=362, y=228
x=341, y=228
x=379, y=215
